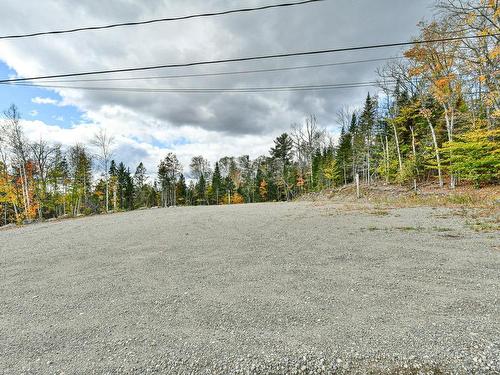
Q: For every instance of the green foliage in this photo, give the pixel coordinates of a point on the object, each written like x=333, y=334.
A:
x=475, y=155
x=282, y=149
x=344, y=156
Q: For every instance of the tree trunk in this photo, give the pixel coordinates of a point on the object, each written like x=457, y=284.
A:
x=396, y=139
x=387, y=159
x=357, y=186
x=449, y=117
x=107, y=195
x=368, y=157
x=436, y=148
x=414, y=149
x=345, y=173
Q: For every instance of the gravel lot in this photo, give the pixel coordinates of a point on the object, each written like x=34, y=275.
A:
x=265, y=288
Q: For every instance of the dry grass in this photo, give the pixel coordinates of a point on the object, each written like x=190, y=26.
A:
x=480, y=207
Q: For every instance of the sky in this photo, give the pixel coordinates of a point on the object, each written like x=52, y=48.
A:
x=146, y=126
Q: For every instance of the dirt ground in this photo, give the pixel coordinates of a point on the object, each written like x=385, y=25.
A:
x=305, y=287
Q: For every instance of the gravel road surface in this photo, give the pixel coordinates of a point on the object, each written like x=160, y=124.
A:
x=276, y=288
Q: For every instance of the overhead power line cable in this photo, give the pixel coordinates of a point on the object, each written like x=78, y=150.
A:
x=298, y=67
x=169, y=19
x=307, y=87
x=242, y=59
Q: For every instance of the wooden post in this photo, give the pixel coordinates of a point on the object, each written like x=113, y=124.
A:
x=357, y=186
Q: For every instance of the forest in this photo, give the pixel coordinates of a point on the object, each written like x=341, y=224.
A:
x=434, y=119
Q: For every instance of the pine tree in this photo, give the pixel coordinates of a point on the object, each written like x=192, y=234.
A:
x=201, y=189
x=113, y=183
x=229, y=187
x=344, y=155
x=282, y=149
x=181, y=190
x=366, y=127
x=129, y=190
x=217, y=183
x=122, y=185
x=140, y=185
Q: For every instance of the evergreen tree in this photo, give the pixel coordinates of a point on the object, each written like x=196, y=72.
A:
x=129, y=190
x=181, y=190
x=201, y=190
x=140, y=188
x=113, y=183
x=122, y=185
x=366, y=127
x=217, y=183
x=229, y=187
x=282, y=153
x=81, y=178
x=282, y=150
x=344, y=155
x=112, y=168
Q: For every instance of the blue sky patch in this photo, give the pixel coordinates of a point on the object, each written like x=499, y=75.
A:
x=23, y=96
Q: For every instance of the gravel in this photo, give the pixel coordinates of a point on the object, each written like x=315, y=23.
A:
x=282, y=288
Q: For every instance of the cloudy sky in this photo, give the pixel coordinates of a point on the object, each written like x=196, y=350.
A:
x=148, y=125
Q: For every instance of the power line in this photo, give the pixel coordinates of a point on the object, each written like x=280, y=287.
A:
x=227, y=73
x=200, y=15
x=241, y=59
x=307, y=87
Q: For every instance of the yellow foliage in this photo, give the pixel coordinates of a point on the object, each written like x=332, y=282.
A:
x=263, y=189
x=235, y=199
x=495, y=52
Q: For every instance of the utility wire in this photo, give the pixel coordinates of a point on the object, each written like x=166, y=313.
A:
x=201, y=15
x=226, y=73
x=241, y=59
x=308, y=87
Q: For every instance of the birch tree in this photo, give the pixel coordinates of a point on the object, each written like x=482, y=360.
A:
x=104, y=144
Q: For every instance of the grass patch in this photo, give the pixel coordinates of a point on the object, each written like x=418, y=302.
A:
x=409, y=228
x=379, y=212
x=462, y=199
x=484, y=226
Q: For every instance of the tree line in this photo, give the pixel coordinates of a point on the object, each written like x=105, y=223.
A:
x=436, y=121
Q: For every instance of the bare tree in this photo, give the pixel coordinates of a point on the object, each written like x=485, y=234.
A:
x=42, y=156
x=307, y=139
x=20, y=151
x=104, y=144
x=344, y=116
x=169, y=169
x=226, y=165
x=200, y=167
x=4, y=165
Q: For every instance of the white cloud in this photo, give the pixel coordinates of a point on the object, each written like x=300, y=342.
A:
x=39, y=100
x=134, y=149
x=147, y=126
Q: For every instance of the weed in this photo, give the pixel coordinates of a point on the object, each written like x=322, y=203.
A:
x=379, y=212
x=409, y=228
x=484, y=226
